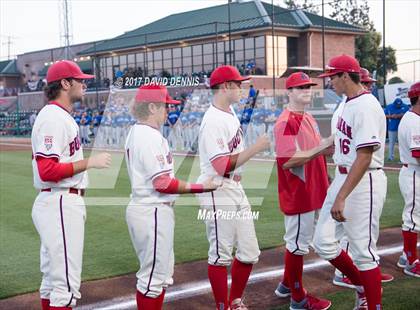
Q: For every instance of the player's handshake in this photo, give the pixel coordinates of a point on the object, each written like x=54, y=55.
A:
x=262, y=143
x=99, y=161
x=211, y=184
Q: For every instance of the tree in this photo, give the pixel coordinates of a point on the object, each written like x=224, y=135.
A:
x=395, y=80
x=367, y=46
x=306, y=5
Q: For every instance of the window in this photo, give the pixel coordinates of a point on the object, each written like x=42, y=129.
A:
x=157, y=55
x=116, y=60
x=208, y=49
x=208, y=59
x=292, y=52
x=123, y=60
x=186, y=51
x=249, y=43
x=260, y=41
x=131, y=59
x=197, y=50
x=176, y=52
x=167, y=54
x=259, y=52
x=249, y=54
x=239, y=44
x=140, y=58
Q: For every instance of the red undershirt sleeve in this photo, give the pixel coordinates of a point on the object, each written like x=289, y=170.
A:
x=166, y=185
x=222, y=165
x=50, y=170
x=415, y=153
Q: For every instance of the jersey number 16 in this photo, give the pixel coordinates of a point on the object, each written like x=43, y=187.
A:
x=344, y=146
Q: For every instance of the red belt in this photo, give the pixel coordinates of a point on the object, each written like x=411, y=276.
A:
x=344, y=170
x=72, y=190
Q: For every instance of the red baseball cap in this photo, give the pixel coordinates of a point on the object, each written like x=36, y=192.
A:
x=154, y=93
x=298, y=79
x=226, y=74
x=414, y=90
x=65, y=69
x=339, y=64
x=365, y=76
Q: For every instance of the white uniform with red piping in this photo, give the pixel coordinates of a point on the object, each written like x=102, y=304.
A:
x=409, y=178
x=360, y=123
x=58, y=214
x=150, y=214
x=221, y=135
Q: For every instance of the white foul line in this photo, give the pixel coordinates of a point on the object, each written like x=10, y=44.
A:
x=201, y=287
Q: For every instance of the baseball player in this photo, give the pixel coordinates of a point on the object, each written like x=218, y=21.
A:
x=409, y=180
x=150, y=213
x=302, y=186
x=356, y=196
x=222, y=153
x=339, y=278
x=60, y=176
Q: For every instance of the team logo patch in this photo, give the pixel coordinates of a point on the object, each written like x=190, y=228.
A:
x=220, y=143
x=48, y=142
x=416, y=139
x=304, y=76
x=161, y=160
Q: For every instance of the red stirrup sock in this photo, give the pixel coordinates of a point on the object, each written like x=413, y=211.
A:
x=410, y=245
x=240, y=273
x=344, y=263
x=149, y=303
x=45, y=304
x=294, y=270
x=218, y=277
x=373, y=288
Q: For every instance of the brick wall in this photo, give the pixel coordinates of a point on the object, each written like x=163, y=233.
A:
x=335, y=44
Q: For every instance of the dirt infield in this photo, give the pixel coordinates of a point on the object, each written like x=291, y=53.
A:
x=118, y=292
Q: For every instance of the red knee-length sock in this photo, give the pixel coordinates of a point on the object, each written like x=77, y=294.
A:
x=218, y=277
x=285, y=280
x=149, y=303
x=410, y=245
x=293, y=270
x=344, y=263
x=45, y=304
x=240, y=273
x=371, y=280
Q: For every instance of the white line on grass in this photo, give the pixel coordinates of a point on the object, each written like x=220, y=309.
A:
x=201, y=287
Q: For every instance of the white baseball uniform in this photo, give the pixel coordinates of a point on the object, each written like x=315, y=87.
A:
x=59, y=216
x=360, y=123
x=409, y=178
x=221, y=135
x=150, y=214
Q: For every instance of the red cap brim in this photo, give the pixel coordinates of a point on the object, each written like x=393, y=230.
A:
x=172, y=101
x=328, y=74
x=369, y=80
x=85, y=76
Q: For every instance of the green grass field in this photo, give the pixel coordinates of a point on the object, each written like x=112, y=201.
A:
x=108, y=250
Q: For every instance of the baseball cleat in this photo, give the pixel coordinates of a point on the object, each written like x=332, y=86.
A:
x=310, y=302
x=282, y=291
x=413, y=269
x=343, y=282
x=402, y=261
x=361, y=302
x=237, y=304
x=386, y=277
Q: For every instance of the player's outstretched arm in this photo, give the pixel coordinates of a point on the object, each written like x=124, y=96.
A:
x=167, y=185
x=302, y=157
x=262, y=143
x=98, y=161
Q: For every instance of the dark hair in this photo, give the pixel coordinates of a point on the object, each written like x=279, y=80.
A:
x=52, y=90
x=414, y=100
x=216, y=87
x=355, y=77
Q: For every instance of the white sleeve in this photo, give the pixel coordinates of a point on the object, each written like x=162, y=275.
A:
x=155, y=157
x=415, y=136
x=215, y=141
x=50, y=140
x=367, y=128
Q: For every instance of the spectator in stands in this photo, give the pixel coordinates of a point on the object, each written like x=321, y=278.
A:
x=252, y=93
x=394, y=112
x=32, y=118
x=270, y=120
